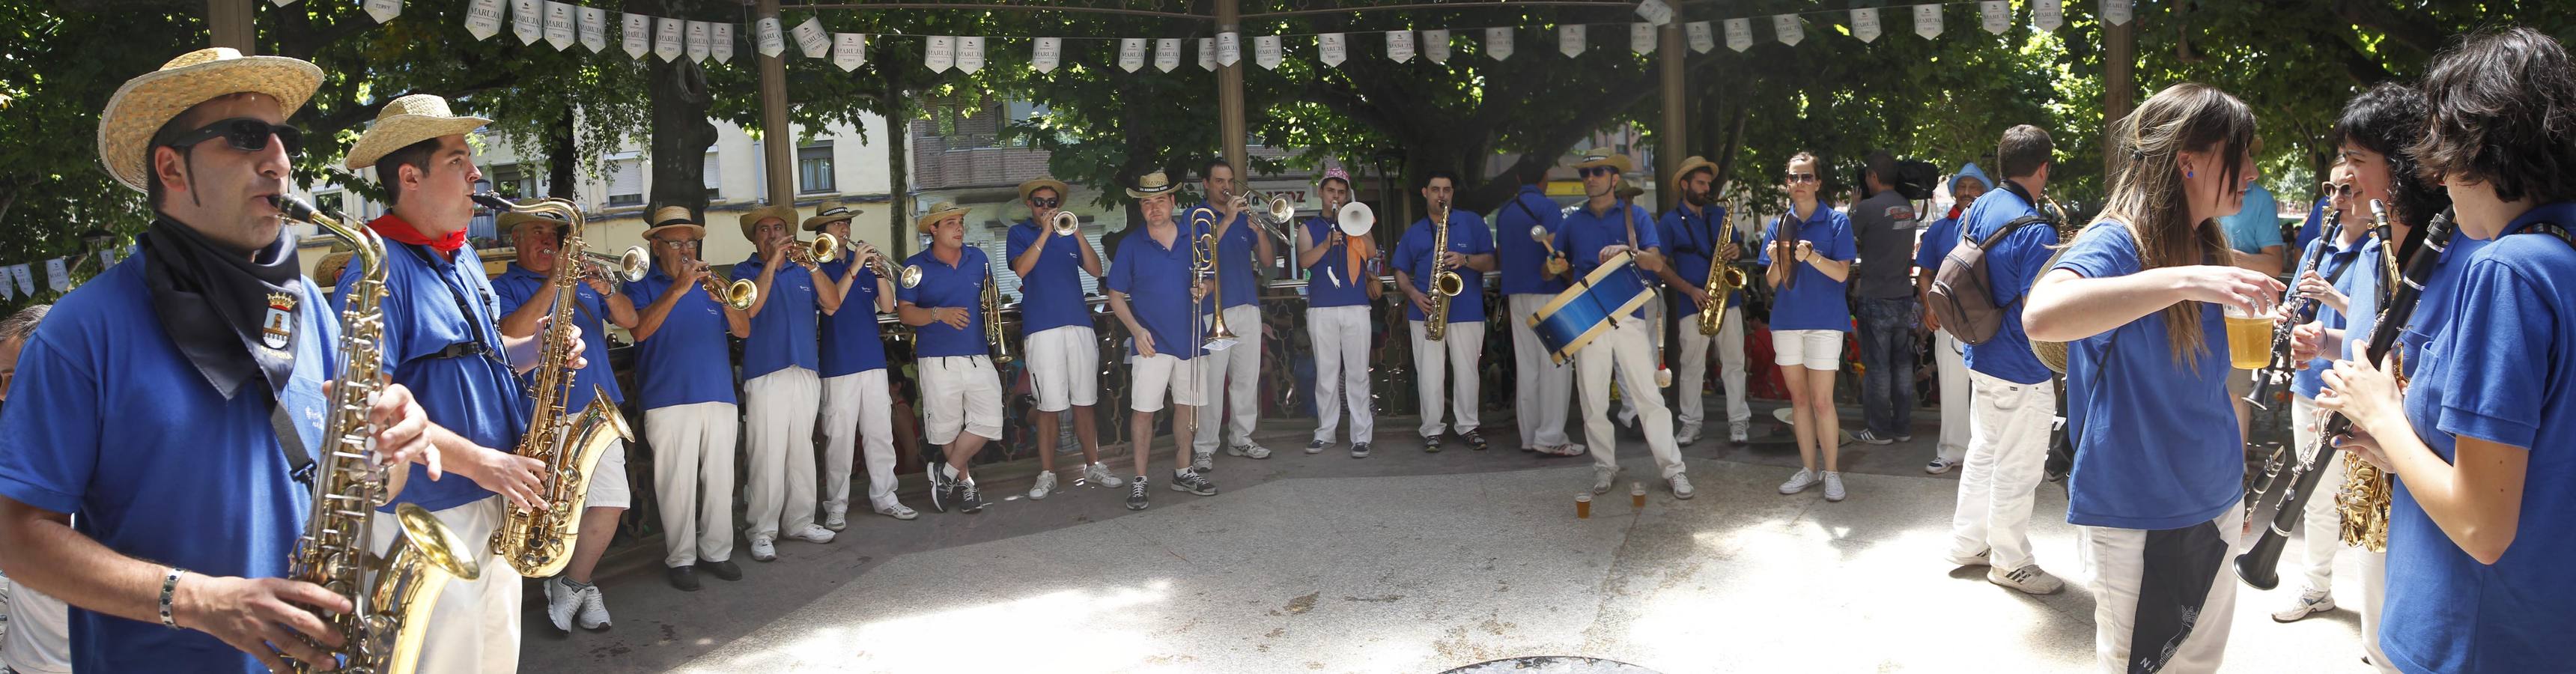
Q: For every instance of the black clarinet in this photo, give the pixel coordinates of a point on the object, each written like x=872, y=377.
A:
x=2278, y=373
x=2259, y=566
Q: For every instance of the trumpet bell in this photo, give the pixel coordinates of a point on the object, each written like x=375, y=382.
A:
x=1065, y=223
x=1355, y=219
x=911, y=275
x=634, y=264
x=824, y=248
x=1281, y=211
x=740, y=293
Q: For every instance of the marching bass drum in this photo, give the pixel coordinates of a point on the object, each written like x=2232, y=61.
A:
x=1591, y=308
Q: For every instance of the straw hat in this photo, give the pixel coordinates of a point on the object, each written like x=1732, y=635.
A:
x=1694, y=163
x=1050, y=183
x=1606, y=158
x=752, y=218
x=1151, y=184
x=668, y=217
x=151, y=100
x=509, y=222
x=943, y=211
x=407, y=120
x=830, y=212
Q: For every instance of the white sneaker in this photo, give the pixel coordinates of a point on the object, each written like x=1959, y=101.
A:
x=836, y=515
x=561, y=602
x=1203, y=461
x=1833, y=485
x=812, y=534
x=1249, y=450
x=1940, y=465
x=2310, y=602
x=1737, y=431
x=898, y=511
x=594, y=609
x=1681, y=487
x=2028, y=579
x=1046, y=483
x=1978, y=559
x=1099, y=474
x=1601, y=477
x=762, y=550
x=1689, y=434
x=1799, y=481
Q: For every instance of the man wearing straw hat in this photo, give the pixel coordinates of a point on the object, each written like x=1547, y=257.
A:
x=526, y=290
x=856, y=406
x=961, y=393
x=684, y=383
x=1341, y=287
x=1151, y=285
x=151, y=400
x=1696, y=231
x=780, y=388
x=1596, y=230
x=1055, y=330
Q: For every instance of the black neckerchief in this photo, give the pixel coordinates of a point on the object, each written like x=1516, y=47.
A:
x=197, y=288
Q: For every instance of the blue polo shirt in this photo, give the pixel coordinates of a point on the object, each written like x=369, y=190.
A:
x=1585, y=233
x=2434, y=301
x=2012, y=265
x=1234, y=259
x=1522, y=261
x=2257, y=226
x=944, y=285
x=2314, y=226
x=687, y=360
x=2160, y=444
x=782, y=334
x=1413, y=254
x=433, y=304
x=2502, y=370
x=1051, y=293
x=1938, y=238
x=1813, y=301
x=2336, y=265
x=1156, y=279
x=518, y=284
x=850, y=343
x=1331, y=282
x=1692, y=240
x=111, y=424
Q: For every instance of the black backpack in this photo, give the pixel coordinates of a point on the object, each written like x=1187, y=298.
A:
x=1962, y=293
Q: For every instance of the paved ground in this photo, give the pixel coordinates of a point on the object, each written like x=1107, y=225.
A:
x=1406, y=562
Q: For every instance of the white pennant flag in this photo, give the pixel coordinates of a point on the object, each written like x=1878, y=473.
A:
x=722, y=36
x=1043, y=56
x=1655, y=12
x=1435, y=46
x=812, y=39
x=8, y=289
x=26, y=280
x=1864, y=24
x=1739, y=34
x=1701, y=37
x=698, y=35
x=594, y=28
x=1927, y=21
x=1167, y=53
x=1229, y=49
x=1330, y=48
x=384, y=10
x=1641, y=38
x=1207, y=53
x=1997, y=15
x=2118, y=12
x=636, y=32
x=667, y=40
x=1131, y=53
x=767, y=39
x=1266, y=51
x=849, y=50
x=940, y=54
x=559, y=25
x=528, y=20
x=1498, y=43
x=107, y=256
x=1569, y=40
x=2049, y=14
x=58, y=274
x=1787, y=28
x=970, y=54
x=483, y=19
x=1399, y=45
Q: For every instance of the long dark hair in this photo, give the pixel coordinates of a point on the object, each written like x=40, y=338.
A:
x=2389, y=119
x=2146, y=187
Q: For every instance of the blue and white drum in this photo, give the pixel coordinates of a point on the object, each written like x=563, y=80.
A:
x=1591, y=308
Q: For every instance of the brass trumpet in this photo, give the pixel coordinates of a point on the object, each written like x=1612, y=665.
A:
x=824, y=248
x=1065, y=223
x=627, y=267
x=872, y=258
x=1275, y=214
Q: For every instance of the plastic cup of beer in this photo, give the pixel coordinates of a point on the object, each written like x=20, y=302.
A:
x=1583, y=506
x=2249, y=338
x=1637, y=495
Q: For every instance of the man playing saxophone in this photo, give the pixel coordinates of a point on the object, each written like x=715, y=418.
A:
x=1702, y=243
x=1441, y=263
x=961, y=392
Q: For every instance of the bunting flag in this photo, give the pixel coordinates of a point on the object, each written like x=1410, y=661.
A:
x=1330, y=48
x=811, y=38
x=1207, y=54
x=1864, y=24
x=2048, y=14
x=1045, y=53
x=1997, y=15
x=384, y=10
x=1569, y=40
x=940, y=54
x=1131, y=53
x=1266, y=51
x=59, y=275
x=636, y=31
x=1788, y=29
x=1229, y=48
x=970, y=54
x=768, y=39
x=1701, y=38
x=26, y=280
x=1927, y=21
x=1641, y=38
x=1167, y=54
x=1399, y=45
x=722, y=36
x=1498, y=43
x=849, y=50
x=1655, y=12
x=528, y=20
x=559, y=25
x=1739, y=34
x=667, y=38
x=1435, y=46
x=2118, y=12
x=697, y=36
x=483, y=19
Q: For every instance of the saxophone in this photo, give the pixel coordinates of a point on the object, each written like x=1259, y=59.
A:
x=1445, y=284
x=992, y=307
x=539, y=543
x=1723, y=280
x=2363, y=501
x=382, y=631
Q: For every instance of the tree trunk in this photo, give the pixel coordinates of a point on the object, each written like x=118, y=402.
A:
x=899, y=168
x=560, y=156
x=681, y=134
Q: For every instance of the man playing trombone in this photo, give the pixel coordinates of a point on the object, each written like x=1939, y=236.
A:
x=1441, y=263
x=1151, y=285
x=1341, y=287
x=1240, y=250
x=941, y=296
x=1047, y=251
x=857, y=409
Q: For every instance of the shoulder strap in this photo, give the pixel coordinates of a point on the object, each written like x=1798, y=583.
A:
x=2008, y=228
x=2552, y=229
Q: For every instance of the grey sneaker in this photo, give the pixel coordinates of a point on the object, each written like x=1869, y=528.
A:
x=1098, y=473
x=594, y=609
x=2310, y=602
x=2028, y=579
x=897, y=511
x=561, y=602
x=1799, y=481
x=1045, y=484
x=1833, y=485
x=1689, y=434
x=1203, y=461
x=1682, y=487
x=969, y=499
x=1136, y=494
x=1868, y=437
x=1191, y=481
x=1317, y=446
x=836, y=515
x=1738, y=431
x=1601, y=478
x=1249, y=450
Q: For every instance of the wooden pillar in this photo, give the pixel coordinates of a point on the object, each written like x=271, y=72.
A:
x=780, y=142
x=2119, y=79
x=1229, y=101
x=229, y=21
x=1669, y=145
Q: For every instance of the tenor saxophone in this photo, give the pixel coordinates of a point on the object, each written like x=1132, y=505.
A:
x=1723, y=280
x=390, y=595
x=1445, y=283
x=538, y=543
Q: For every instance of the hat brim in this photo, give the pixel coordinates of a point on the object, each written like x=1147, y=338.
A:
x=144, y=104
x=1135, y=193
x=1690, y=166
x=1044, y=183
x=753, y=217
x=401, y=131
x=1615, y=161
x=694, y=228
x=817, y=223
x=931, y=221
x=509, y=222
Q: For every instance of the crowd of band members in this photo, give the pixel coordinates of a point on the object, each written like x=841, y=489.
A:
x=143, y=480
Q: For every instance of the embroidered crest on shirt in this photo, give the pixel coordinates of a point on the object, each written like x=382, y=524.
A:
x=278, y=329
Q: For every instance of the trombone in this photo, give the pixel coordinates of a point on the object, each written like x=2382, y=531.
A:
x=1203, y=263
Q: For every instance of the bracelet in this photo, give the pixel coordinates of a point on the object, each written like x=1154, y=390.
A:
x=169, y=585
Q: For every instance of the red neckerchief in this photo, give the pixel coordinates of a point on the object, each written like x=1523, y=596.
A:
x=394, y=227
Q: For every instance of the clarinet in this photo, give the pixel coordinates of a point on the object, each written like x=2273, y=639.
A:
x=2259, y=566
x=2278, y=373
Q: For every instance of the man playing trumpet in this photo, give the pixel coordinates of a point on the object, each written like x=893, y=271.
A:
x=1055, y=328
x=856, y=405
x=780, y=390
x=685, y=386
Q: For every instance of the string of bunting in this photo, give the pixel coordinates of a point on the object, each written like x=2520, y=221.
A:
x=19, y=280
x=563, y=24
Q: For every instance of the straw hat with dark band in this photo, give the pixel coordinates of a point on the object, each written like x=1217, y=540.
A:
x=146, y=103
x=668, y=217
x=407, y=120
x=830, y=212
x=509, y=222
x=752, y=218
x=1049, y=183
x=943, y=211
x=1151, y=184
x=1694, y=163
x=1606, y=158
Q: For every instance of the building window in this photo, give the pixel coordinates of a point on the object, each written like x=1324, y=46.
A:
x=626, y=181
x=814, y=169
x=516, y=182
x=714, y=179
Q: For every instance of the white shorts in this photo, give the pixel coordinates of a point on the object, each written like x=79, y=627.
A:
x=608, y=479
x=960, y=393
x=1064, y=367
x=1815, y=349
x=1161, y=373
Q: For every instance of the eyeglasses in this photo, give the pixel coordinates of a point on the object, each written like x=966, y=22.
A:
x=1044, y=202
x=247, y=134
x=680, y=245
x=1802, y=177
x=1591, y=171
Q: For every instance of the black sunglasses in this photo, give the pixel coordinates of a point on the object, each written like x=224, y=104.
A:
x=1802, y=177
x=1597, y=171
x=1045, y=202
x=247, y=134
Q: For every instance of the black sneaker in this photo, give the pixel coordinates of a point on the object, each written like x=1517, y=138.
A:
x=1317, y=446
x=1192, y=482
x=1475, y=441
x=683, y=577
x=1136, y=493
x=1431, y=444
x=723, y=569
x=969, y=500
x=1359, y=450
x=940, y=488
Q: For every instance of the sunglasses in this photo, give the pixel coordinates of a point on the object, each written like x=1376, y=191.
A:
x=1044, y=202
x=1802, y=177
x=2343, y=190
x=1597, y=171
x=247, y=134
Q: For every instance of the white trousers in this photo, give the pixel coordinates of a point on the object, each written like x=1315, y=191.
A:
x=474, y=625
x=693, y=446
x=1626, y=350
x=1341, y=339
x=1693, y=368
x=856, y=408
x=1950, y=359
x=2119, y=569
x=781, y=433
x=1434, y=363
x=2374, y=590
x=1540, y=386
x=2320, y=524
x=2007, y=456
x=1234, y=373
